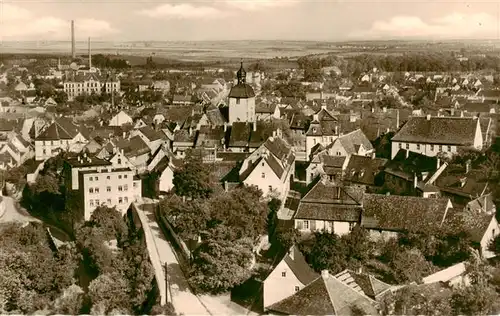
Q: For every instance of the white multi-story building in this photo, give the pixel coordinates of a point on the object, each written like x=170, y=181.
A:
x=241, y=100
x=103, y=182
x=430, y=136
x=90, y=83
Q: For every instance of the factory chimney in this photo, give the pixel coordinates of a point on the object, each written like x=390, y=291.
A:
x=90, y=55
x=73, y=52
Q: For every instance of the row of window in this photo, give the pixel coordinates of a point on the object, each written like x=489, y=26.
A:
x=330, y=225
x=97, y=202
x=442, y=148
x=108, y=189
x=96, y=178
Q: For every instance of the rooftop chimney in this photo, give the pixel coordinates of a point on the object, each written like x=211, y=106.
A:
x=325, y=274
x=291, y=253
x=415, y=180
x=467, y=166
x=73, y=51
x=90, y=55
x=428, y=117
x=254, y=127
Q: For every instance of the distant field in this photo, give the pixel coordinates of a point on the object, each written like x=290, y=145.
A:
x=229, y=50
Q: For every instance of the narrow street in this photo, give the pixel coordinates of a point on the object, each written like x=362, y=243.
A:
x=15, y=214
x=180, y=294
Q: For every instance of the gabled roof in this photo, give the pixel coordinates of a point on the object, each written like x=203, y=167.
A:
x=406, y=164
x=135, y=146
x=476, y=223
x=326, y=201
x=215, y=117
x=151, y=134
x=210, y=136
x=62, y=128
x=364, y=170
x=278, y=147
x=353, y=140
x=438, y=130
x=325, y=296
x=265, y=108
x=455, y=180
x=363, y=282
x=297, y=263
x=183, y=136
x=403, y=213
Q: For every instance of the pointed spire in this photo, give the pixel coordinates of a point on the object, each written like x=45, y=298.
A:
x=241, y=74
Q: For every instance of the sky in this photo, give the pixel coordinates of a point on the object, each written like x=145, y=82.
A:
x=207, y=20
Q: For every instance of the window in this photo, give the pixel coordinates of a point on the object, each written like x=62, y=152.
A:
x=407, y=145
x=96, y=190
x=91, y=190
x=119, y=161
x=297, y=289
x=120, y=200
x=119, y=176
x=418, y=146
x=44, y=152
x=126, y=199
x=449, y=148
x=96, y=202
x=283, y=274
x=91, y=202
x=440, y=147
x=135, y=184
x=91, y=179
x=263, y=175
x=306, y=224
x=108, y=189
x=125, y=176
x=237, y=101
x=351, y=226
x=270, y=188
x=109, y=201
x=96, y=178
x=108, y=177
x=120, y=188
x=339, y=153
x=432, y=147
x=400, y=145
x=125, y=187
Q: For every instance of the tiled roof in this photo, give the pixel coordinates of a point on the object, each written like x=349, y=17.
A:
x=260, y=135
x=265, y=108
x=210, y=136
x=403, y=213
x=325, y=296
x=476, y=223
x=242, y=91
x=438, y=130
x=323, y=128
x=151, y=134
x=477, y=107
x=454, y=180
x=182, y=98
x=177, y=114
x=183, y=136
x=489, y=93
x=87, y=160
x=297, y=263
x=278, y=147
x=326, y=201
x=134, y=146
x=364, y=170
x=62, y=128
x=240, y=134
x=353, y=140
x=363, y=282
x=215, y=117
x=415, y=164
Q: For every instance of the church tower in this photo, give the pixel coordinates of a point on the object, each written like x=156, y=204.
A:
x=241, y=100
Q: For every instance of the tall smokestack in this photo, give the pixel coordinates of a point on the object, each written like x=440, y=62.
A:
x=73, y=52
x=90, y=55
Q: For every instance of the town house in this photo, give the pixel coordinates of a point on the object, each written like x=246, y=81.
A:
x=270, y=168
x=431, y=136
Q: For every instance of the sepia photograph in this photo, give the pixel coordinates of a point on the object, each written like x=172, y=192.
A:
x=249, y=157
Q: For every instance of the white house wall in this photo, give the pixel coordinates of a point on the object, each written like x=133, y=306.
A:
x=278, y=287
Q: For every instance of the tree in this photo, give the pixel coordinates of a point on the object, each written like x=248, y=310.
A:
x=111, y=223
x=193, y=179
x=495, y=245
x=70, y=302
x=412, y=301
x=219, y=265
x=409, y=265
x=476, y=299
x=287, y=237
x=109, y=291
x=325, y=251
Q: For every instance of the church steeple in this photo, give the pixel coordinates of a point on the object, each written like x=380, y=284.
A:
x=241, y=75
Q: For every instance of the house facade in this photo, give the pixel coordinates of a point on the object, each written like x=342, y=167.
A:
x=431, y=136
x=90, y=84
